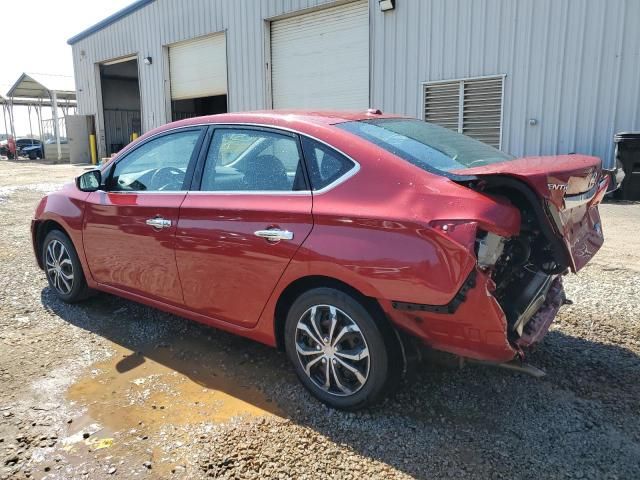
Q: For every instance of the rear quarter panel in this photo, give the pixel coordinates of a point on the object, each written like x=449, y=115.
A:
x=372, y=232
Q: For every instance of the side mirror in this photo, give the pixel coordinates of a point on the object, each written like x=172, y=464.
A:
x=89, y=181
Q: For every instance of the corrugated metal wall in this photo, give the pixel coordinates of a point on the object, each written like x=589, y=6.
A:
x=149, y=30
x=572, y=65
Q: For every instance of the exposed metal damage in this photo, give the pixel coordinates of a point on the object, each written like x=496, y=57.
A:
x=527, y=268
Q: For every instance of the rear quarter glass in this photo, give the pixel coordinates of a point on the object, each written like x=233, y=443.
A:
x=425, y=145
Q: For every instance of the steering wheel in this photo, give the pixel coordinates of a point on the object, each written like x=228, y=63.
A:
x=167, y=178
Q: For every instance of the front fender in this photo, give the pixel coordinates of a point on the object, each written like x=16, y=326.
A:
x=65, y=209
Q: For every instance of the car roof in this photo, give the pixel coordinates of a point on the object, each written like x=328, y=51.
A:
x=310, y=122
x=282, y=118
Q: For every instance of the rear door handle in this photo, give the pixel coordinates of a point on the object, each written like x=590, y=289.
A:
x=158, y=223
x=274, y=235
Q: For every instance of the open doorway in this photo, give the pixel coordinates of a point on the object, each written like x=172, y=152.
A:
x=120, y=103
x=197, y=107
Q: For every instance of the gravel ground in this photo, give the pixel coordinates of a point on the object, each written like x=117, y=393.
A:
x=110, y=388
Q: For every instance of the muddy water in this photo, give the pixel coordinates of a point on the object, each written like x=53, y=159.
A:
x=140, y=406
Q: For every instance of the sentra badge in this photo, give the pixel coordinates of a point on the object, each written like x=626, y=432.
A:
x=557, y=186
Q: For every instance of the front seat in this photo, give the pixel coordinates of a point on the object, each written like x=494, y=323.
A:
x=266, y=172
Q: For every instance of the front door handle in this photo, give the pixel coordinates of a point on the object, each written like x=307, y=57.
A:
x=274, y=235
x=158, y=223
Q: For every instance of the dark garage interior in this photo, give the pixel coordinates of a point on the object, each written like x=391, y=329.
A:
x=120, y=103
x=197, y=107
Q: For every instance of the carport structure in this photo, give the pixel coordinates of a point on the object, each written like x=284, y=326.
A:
x=7, y=111
x=35, y=90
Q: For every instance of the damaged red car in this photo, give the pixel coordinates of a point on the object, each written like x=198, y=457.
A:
x=348, y=240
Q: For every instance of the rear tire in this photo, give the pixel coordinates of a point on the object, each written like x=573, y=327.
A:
x=337, y=349
x=63, y=269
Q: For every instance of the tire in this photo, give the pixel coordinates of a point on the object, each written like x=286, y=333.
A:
x=346, y=389
x=63, y=269
x=32, y=156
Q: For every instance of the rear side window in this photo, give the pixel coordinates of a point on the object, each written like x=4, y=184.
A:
x=245, y=160
x=325, y=164
x=430, y=147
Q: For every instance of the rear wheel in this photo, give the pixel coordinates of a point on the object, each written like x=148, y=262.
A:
x=63, y=268
x=337, y=349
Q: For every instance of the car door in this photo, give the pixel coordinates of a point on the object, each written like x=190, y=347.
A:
x=130, y=226
x=238, y=232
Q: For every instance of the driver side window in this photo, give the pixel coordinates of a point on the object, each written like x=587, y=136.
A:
x=158, y=165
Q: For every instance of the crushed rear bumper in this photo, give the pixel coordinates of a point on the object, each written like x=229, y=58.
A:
x=538, y=326
x=478, y=327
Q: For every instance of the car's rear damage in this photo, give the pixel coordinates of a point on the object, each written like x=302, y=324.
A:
x=516, y=288
x=560, y=231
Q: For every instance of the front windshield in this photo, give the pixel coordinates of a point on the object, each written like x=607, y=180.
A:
x=426, y=145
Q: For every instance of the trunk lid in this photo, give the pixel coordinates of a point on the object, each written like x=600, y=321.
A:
x=571, y=187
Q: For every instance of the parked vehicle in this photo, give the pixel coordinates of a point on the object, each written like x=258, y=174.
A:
x=345, y=239
x=32, y=148
x=33, y=152
x=37, y=151
x=20, y=145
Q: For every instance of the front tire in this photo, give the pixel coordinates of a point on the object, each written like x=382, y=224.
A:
x=63, y=269
x=337, y=349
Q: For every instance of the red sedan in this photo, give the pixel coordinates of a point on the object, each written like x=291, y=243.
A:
x=346, y=239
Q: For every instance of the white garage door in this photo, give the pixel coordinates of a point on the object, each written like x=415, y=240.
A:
x=321, y=59
x=198, y=68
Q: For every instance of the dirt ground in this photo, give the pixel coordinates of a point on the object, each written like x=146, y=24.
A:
x=110, y=388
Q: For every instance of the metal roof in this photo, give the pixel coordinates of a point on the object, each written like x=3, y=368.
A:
x=31, y=102
x=109, y=20
x=40, y=86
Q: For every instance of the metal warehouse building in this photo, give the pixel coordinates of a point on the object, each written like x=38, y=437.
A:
x=529, y=76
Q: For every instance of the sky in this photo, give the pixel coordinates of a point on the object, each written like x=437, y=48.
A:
x=34, y=39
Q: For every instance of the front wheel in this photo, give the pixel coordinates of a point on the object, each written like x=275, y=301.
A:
x=337, y=349
x=63, y=268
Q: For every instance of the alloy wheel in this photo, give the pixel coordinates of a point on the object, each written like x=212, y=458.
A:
x=59, y=267
x=332, y=350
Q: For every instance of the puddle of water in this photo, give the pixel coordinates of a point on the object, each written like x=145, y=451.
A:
x=132, y=395
x=154, y=393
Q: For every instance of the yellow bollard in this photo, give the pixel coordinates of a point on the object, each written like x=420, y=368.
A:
x=134, y=136
x=94, y=152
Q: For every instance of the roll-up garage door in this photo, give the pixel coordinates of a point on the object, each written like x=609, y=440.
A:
x=321, y=59
x=198, y=68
